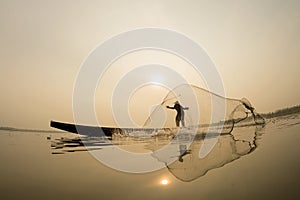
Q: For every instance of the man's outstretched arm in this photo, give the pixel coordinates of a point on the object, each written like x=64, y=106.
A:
x=170, y=107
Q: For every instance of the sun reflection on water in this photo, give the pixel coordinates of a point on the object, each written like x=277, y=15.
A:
x=164, y=182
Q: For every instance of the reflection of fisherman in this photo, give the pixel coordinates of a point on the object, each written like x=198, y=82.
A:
x=183, y=151
x=180, y=113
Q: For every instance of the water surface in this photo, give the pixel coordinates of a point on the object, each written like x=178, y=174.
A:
x=252, y=162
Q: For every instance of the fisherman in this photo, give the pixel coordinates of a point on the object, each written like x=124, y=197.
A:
x=180, y=113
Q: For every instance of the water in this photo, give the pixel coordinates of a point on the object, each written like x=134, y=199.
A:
x=250, y=163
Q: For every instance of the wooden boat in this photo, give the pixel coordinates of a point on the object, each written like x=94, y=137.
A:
x=99, y=131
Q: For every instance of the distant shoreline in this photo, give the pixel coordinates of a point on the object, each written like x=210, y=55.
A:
x=282, y=112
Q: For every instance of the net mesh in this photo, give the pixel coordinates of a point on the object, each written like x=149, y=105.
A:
x=201, y=110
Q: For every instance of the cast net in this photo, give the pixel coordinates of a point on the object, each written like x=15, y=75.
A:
x=201, y=111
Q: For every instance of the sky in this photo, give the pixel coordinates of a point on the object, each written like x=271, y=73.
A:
x=254, y=44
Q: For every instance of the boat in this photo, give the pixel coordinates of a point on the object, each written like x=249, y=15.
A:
x=83, y=129
x=100, y=131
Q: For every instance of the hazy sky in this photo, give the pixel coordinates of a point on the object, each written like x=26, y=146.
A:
x=254, y=44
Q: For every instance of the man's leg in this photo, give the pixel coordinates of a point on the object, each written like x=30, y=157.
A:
x=177, y=122
x=182, y=122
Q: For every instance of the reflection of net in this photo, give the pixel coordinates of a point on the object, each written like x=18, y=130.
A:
x=229, y=147
x=206, y=111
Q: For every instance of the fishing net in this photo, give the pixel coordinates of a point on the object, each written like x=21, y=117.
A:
x=202, y=111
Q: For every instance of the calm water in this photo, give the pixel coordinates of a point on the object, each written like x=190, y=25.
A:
x=252, y=163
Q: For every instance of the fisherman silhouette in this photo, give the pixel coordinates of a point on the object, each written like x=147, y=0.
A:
x=180, y=113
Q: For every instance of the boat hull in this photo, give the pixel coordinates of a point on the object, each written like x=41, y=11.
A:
x=84, y=130
x=100, y=131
